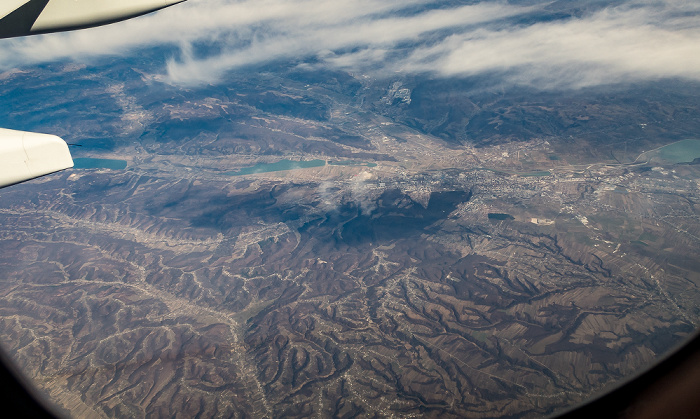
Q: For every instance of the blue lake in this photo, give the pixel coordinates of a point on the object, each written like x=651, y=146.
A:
x=92, y=163
x=277, y=167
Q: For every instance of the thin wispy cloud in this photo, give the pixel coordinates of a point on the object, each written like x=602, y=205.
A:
x=610, y=46
x=317, y=36
x=627, y=41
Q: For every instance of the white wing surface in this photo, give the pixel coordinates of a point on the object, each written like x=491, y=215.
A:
x=27, y=155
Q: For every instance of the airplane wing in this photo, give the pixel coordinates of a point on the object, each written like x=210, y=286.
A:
x=28, y=17
x=26, y=155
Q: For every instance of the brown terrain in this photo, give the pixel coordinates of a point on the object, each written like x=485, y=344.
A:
x=446, y=281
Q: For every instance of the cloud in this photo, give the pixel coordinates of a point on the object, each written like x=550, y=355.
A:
x=322, y=34
x=610, y=46
x=232, y=22
x=362, y=194
x=626, y=41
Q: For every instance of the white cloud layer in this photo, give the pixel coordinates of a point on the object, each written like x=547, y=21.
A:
x=628, y=41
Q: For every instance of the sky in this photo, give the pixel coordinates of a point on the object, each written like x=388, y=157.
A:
x=627, y=41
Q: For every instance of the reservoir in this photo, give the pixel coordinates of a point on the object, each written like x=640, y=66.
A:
x=277, y=167
x=92, y=163
x=679, y=152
